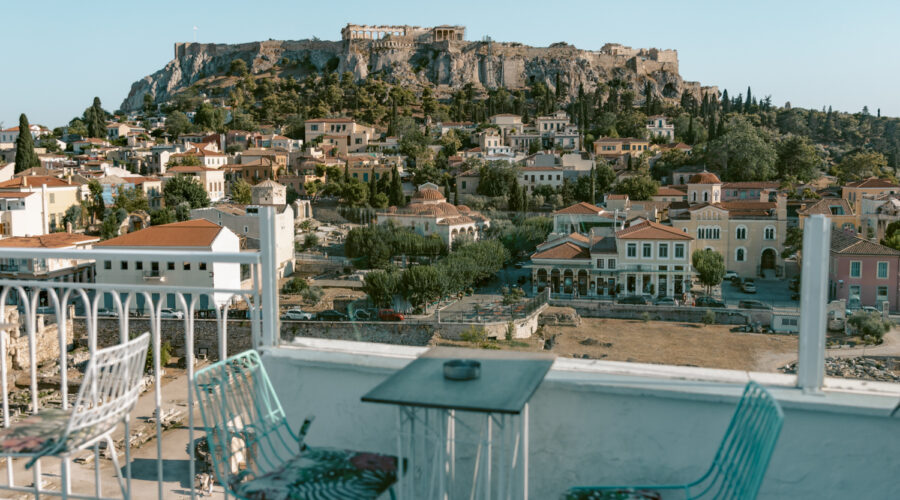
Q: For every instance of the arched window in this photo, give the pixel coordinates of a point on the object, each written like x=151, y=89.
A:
x=740, y=255
x=694, y=196
x=769, y=233
x=706, y=196
x=741, y=233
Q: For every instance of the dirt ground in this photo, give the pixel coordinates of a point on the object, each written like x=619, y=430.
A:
x=685, y=344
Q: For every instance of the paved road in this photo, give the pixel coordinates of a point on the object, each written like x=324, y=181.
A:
x=773, y=292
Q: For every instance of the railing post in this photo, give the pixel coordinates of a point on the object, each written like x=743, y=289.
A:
x=813, y=303
x=269, y=265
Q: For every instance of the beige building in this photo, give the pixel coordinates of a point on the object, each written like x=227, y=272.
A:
x=429, y=213
x=212, y=179
x=344, y=134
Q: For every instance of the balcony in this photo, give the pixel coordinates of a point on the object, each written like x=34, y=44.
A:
x=591, y=421
x=154, y=276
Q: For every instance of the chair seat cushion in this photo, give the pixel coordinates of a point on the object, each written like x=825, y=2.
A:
x=612, y=494
x=323, y=473
x=35, y=434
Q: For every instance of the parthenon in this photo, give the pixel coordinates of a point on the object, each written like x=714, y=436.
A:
x=416, y=33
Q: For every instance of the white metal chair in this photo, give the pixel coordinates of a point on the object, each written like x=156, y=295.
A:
x=109, y=391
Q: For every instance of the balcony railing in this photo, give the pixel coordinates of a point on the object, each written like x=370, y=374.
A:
x=592, y=422
x=154, y=275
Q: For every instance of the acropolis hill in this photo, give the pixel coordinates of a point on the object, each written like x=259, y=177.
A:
x=439, y=56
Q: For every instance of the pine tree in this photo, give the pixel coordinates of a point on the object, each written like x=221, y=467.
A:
x=346, y=172
x=25, y=155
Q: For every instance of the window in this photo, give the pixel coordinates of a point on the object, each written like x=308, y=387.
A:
x=882, y=294
x=740, y=255
x=854, y=291
x=246, y=229
x=789, y=322
x=882, y=270
x=647, y=251
x=631, y=250
x=611, y=263
x=463, y=184
x=314, y=127
x=139, y=265
x=186, y=266
x=741, y=233
x=123, y=265
x=855, y=269
x=107, y=264
x=769, y=233
x=663, y=250
x=170, y=266
x=599, y=263
x=679, y=250
x=52, y=198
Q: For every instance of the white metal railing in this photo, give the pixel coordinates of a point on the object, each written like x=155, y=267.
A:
x=260, y=299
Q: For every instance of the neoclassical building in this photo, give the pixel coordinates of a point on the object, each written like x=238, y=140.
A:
x=749, y=234
x=645, y=258
x=429, y=213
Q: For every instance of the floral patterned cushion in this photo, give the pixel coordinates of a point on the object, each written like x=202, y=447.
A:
x=36, y=434
x=612, y=494
x=322, y=473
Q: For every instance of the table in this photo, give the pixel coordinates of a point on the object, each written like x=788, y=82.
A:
x=498, y=400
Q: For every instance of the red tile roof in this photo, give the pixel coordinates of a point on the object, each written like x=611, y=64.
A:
x=872, y=182
x=52, y=240
x=34, y=181
x=581, y=208
x=648, y=230
x=191, y=233
x=566, y=250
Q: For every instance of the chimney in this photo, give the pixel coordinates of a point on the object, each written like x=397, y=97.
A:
x=25, y=181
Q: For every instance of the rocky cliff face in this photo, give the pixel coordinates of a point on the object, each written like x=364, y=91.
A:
x=446, y=65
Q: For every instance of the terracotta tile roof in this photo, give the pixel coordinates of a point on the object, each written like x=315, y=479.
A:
x=750, y=185
x=581, y=208
x=541, y=169
x=18, y=194
x=848, y=244
x=34, y=181
x=705, y=178
x=565, y=250
x=579, y=237
x=52, y=240
x=189, y=169
x=330, y=120
x=826, y=206
x=605, y=244
x=872, y=182
x=191, y=233
x=617, y=197
x=669, y=191
x=648, y=230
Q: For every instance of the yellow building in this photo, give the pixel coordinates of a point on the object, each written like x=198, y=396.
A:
x=57, y=196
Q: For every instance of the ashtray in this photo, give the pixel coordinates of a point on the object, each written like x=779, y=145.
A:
x=462, y=369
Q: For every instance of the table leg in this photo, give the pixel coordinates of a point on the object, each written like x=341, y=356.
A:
x=525, y=452
x=487, y=456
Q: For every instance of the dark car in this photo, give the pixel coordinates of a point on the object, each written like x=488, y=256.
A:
x=389, y=315
x=332, y=315
x=363, y=315
x=635, y=300
x=664, y=301
x=707, y=301
x=753, y=304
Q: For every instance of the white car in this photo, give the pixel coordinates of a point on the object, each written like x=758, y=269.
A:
x=171, y=314
x=297, y=315
x=730, y=274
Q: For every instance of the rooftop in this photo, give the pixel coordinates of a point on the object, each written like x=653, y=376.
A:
x=649, y=230
x=191, y=233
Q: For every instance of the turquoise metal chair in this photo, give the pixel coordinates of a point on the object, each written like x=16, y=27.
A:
x=738, y=467
x=257, y=456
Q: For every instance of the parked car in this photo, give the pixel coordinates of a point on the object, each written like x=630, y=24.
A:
x=795, y=284
x=171, y=314
x=731, y=275
x=297, y=315
x=634, y=300
x=754, y=304
x=664, y=301
x=332, y=315
x=107, y=313
x=390, y=315
x=870, y=309
x=748, y=287
x=736, y=281
x=707, y=301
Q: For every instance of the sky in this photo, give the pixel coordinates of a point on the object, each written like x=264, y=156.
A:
x=60, y=54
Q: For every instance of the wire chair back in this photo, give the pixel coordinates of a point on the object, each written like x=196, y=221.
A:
x=246, y=428
x=743, y=456
x=109, y=389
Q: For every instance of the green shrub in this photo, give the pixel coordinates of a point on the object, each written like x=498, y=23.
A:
x=870, y=325
x=474, y=334
x=510, y=331
x=295, y=285
x=312, y=294
x=709, y=318
x=165, y=352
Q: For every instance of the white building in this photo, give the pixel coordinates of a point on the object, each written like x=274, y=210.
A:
x=66, y=270
x=212, y=180
x=429, y=213
x=12, y=134
x=20, y=214
x=658, y=126
x=188, y=236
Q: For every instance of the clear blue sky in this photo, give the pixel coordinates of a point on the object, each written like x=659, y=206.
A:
x=59, y=55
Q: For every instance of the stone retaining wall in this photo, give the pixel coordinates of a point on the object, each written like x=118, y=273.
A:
x=603, y=309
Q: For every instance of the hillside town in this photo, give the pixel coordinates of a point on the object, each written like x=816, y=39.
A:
x=504, y=271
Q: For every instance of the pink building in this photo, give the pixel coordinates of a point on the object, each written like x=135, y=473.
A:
x=863, y=273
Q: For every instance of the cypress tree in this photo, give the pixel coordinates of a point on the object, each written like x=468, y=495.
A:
x=95, y=119
x=346, y=172
x=690, y=130
x=456, y=196
x=447, y=188
x=726, y=102
x=593, y=186
x=392, y=125
x=373, y=188
x=396, y=194
x=747, y=101
x=712, y=127
x=25, y=155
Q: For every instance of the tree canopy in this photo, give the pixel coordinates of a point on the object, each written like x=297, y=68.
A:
x=184, y=188
x=710, y=267
x=25, y=156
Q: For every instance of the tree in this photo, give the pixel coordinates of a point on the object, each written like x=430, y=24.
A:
x=381, y=286
x=184, y=188
x=860, y=166
x=793, y=242
x=97, y=205
x=177, y=123
x=710, y=267
x=73, y=217
x=110, y=226
x=668, y=162
x=240, y=192
x=870, y=324
x=742, y=153
x=238, y=67
x=495, y=177
x=605, y=177
x=396, y=197
x=421, y=285
x=131, y=199
x=25, y=155
x=797, y=158
x=638, y=188
x=95, y=119
x=209, y=117
x=162, y=216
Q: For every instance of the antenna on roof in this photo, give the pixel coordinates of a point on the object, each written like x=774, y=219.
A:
x=195, y=34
